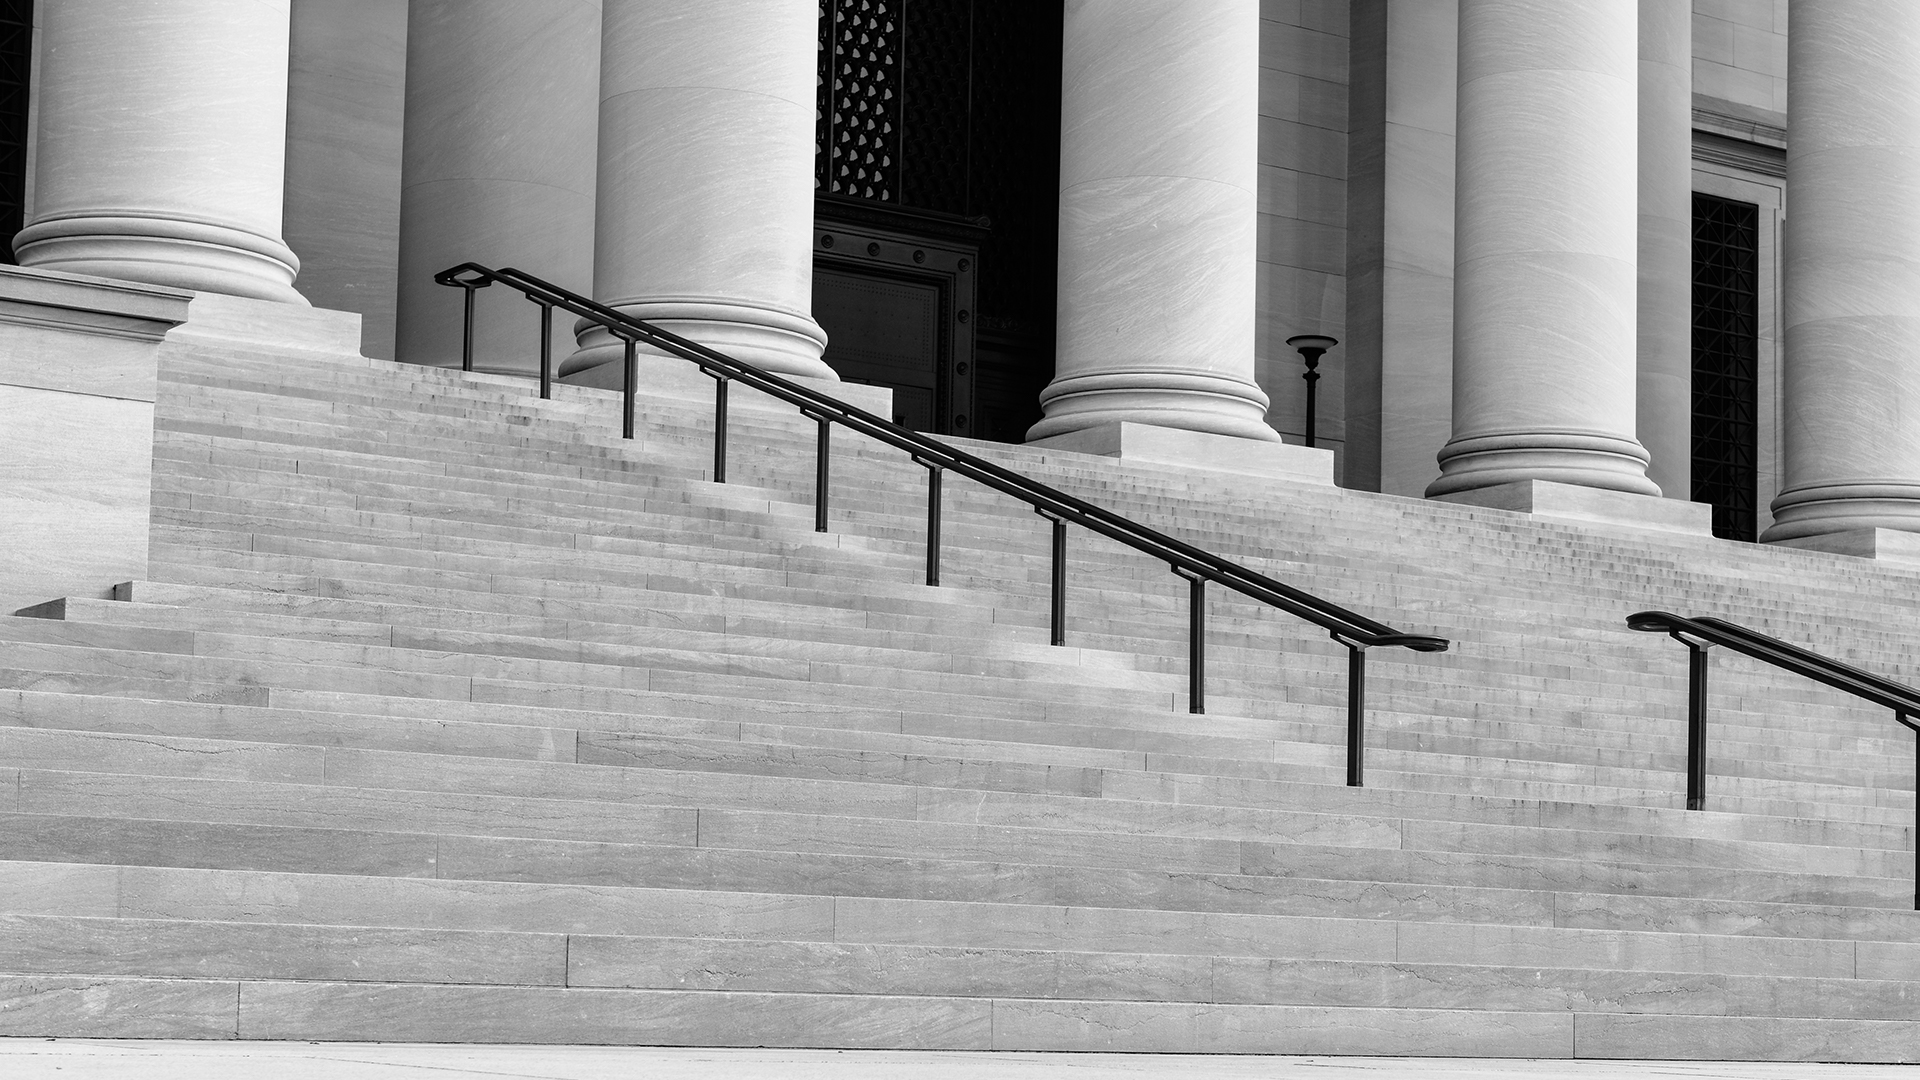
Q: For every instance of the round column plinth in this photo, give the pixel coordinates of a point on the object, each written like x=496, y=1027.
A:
x=1545, y=261
x=1158, y=219
x=1852, y=288
x=161, y=153
x=705, y=212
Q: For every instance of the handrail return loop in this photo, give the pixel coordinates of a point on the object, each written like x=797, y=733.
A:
x=1702, y=632
x=1356, y=632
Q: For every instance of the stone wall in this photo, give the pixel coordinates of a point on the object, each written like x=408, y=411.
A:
x=1303, y=207
x=345, y=102
x=1740, y=53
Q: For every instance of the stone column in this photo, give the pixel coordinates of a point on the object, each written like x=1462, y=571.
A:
x=162, y=145
x=1544, y=248
x=1852, y=369
x=705, y=218
x=498, y=168
x=1158, y=178
x=1665, y=410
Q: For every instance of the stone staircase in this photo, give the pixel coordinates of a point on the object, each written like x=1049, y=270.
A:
x=447, y=715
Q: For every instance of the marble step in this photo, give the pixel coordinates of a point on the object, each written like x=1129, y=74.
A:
x=330, y=831
x=150, y=948
x=81, y=1008
x=441, y=668
x=942, y=923
x=690, y=745
x=1389, y=736
x=1220, y=723
x=81, y=652
x=894, y=813
x=152, y=891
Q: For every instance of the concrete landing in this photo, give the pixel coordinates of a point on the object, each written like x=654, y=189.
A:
x=76, y=1059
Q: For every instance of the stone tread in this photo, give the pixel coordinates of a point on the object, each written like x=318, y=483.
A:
x=448, y=714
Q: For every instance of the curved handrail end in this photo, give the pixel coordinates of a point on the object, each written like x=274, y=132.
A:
x=451, y=276
x=1416, y=642
x=1655, y=622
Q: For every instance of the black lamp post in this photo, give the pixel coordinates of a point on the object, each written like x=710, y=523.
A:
x=1311, y=347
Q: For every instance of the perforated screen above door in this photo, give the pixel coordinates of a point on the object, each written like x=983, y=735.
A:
x=1726, y=341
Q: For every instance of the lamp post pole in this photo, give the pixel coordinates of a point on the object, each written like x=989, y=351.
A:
x=1311, y=347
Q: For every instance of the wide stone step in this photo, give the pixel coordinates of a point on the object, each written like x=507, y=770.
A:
x=687, y=744
x=1817, y=847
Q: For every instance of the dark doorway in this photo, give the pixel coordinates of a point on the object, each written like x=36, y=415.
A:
x=1726, y=343
x=16, y=79
x=937, y=173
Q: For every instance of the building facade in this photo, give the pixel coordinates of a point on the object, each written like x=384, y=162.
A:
x=1548, y=237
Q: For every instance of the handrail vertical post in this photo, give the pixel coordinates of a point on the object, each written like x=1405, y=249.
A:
x=1902, y=718
x=934, y=473
x=1356, y=713
x=823, y=447
x=546, y=350
x=1697, y=660
x=720, y=382
x=627, y=387
x=1059, y=612
x=466, y=332
x=1196, y=640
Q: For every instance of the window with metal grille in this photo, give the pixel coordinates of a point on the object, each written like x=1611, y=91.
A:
x=857, y=115
x=1726, y=341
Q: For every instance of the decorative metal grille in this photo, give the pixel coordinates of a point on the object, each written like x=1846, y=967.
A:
x=16, y=64
x=936, y=156
x=857, y=112
x=1726, y=342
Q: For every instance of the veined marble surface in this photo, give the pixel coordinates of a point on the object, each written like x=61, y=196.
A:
x=346, y=101
x=498, y=169
x=705, y=217
x=1852, y=289
x=1664, y=416
x=162, y=145
x=1545, y=248
x=1158, y=214
x=75, y=1059
x=1399, y=356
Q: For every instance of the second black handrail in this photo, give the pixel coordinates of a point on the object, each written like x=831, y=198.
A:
x=1703, y=632
x=1197, y=566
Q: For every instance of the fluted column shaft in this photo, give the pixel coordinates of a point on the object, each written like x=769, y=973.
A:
x=1665, y=331
x=1544, y=255
x=498, y=168
x=1158, y=202
x=1852, y=369
x=705, y=219
x=162, y=145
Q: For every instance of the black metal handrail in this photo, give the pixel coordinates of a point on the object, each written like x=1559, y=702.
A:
x=1357, y=632
x=1703, y=632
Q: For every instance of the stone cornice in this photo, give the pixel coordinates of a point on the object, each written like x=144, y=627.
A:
x=1739, y=136
x=1740, y=122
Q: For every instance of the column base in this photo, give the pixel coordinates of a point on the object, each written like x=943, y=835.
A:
x=1579, y=459
x=1886, y=545
x=778, y=341
x=1184, y=400
x=1589, y=505
x=1153, y=445
x=176, y=254
x=1844, y=508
